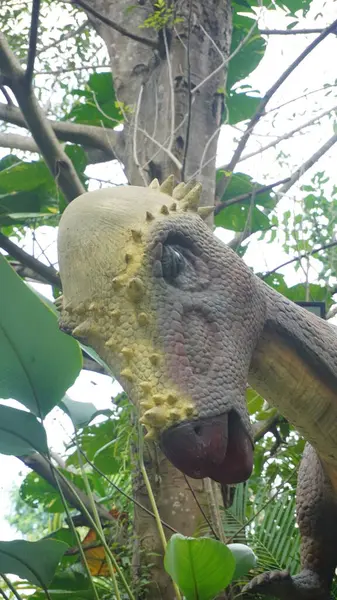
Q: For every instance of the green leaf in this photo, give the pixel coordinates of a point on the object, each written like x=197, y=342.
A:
x=38, y=362
x=250, y=54
x=98, y=106
x=240, y=107
x=201, y=567
x=20, y=432
x=246, y=213
x=245, y=559
x=34, y=561
x=81, y=413
x=36, y=491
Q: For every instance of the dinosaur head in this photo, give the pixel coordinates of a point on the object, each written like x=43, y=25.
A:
x=173, y=311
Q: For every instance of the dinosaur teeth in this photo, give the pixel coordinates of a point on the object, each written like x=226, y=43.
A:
x=69, y=307
x=164, y=210
x=171, y=399
x=127, y=373
x=158, y=399
x=127, y=352
x=136, y=235
x=136, y=289
x=154, y=359
x=149, y=216
x=82, y=330
x=116, y=313
x=146, y=387
x=143, y=319
x=110, y=343
x=154, y=185
x=155, y=417
x=146, y=405
x=157, y=269
x=167, y=185
x=205, y=211
x=117, y=283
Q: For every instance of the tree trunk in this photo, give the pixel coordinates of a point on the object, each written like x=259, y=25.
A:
x=172, y=99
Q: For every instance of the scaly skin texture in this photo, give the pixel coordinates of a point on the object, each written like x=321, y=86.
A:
x=185, y=324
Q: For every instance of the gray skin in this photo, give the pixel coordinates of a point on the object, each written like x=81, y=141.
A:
x=210, y=326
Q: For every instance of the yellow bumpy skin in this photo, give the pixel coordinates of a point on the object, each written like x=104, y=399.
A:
x=103, y=237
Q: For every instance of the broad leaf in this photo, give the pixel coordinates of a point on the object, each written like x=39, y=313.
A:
x=34, y=561
x=201, y=567
x=98, y=105
x=38, y=362
x=240, y=107
x=250, y=53
x=20, y=432
x=81, y=413
x=245, y=559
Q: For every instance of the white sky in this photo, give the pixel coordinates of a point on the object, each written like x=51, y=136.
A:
x=319, y=68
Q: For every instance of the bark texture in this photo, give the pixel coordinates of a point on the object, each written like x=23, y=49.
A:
x=166, y=117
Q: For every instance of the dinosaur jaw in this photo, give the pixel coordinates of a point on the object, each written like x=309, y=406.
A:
x=217, y=447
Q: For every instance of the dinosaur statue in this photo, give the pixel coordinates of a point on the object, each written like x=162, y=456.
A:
x=185, y=324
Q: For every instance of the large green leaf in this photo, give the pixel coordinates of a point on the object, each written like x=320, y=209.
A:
x=251, y=52
x=240, y=107
x=36, y=491
x=246, y=213
x=34, y=561
x=20, y=432
x=81, y=413
x=201, y=567
x=38, y=362
x=98, y=105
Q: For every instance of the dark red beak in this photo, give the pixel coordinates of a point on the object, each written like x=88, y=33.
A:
x=217, y=447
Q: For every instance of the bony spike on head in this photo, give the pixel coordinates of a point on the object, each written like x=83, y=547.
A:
x=192, y=199
x=136, y=235
x=164, y=210
x=127, y=373
x=149, y=216
x=167, y=186
x=154, y=185
x=205, y=211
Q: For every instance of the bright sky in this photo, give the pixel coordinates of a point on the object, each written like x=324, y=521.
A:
x=316, y=70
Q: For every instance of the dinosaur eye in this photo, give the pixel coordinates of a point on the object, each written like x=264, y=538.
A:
x=173, y=262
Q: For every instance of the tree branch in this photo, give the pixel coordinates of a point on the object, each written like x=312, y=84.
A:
x=222, y=184
x=289, y=31
x=41, y=466
x=58, y=162
x=115, y=26
x=240, y=237
x=32, y=42
x=307, y=255
x=255, y=192
x=48, y=273
x=76, y=133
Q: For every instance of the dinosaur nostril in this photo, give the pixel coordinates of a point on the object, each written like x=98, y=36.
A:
x=197, y=429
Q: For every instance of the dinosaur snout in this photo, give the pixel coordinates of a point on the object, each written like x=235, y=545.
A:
x=217, y=447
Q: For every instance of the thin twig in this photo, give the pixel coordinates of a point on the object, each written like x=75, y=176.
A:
x=240, y=237
x=268, y=95
x=300, y=257
x=226, y=60
x=289, y=31
x=287, y=135
x=201, y=508
x=171, y=85
x=115, y=26
x=189, y=91
x=265, y=188
x=48, y=273
x=63, y=38
x=32, y=41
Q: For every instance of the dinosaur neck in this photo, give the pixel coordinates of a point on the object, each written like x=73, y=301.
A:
x=294, y=367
